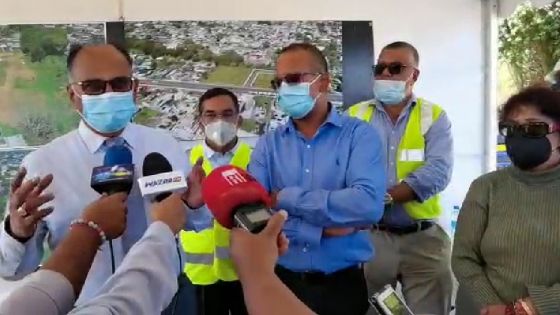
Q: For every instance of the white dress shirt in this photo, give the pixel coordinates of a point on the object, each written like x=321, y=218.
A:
x=144, y=284
x=71, y=159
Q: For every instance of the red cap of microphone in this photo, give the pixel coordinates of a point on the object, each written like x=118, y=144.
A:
x=228, y=187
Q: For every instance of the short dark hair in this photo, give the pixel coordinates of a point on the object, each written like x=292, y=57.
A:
x=405, y=45
x=75, y=49
x=316, y=52
x=543, y=98
x=215, y=92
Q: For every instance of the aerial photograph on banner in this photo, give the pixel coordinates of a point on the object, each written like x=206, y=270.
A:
x=175, y=62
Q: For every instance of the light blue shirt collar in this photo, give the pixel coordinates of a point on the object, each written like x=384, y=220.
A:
x=209, y=153
x=333, y=118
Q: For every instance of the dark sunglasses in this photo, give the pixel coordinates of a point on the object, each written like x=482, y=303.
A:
x=394, y=68
x=529, y=130
x=290, y=78
x=98, y=86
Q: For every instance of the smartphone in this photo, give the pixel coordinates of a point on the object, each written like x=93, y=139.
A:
x=388, y=302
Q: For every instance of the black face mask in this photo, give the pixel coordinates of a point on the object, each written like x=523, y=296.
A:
x=527, y=153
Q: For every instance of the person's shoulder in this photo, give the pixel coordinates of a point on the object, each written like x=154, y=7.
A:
x=194, y=146
x=152, y=133
x=357, y=127
x=352, y=122
x=277, y=132
x=53, y=148
x=492, y=178
x=246, y=145
x=436, y=105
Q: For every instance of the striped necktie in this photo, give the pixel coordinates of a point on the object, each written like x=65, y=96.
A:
x=110, y=142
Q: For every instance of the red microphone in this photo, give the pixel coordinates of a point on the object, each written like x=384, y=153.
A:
x=235, y=198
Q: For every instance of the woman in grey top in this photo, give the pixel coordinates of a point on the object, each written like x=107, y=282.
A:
x=506, y=252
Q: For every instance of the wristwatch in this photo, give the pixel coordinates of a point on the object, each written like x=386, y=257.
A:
x=388, y=199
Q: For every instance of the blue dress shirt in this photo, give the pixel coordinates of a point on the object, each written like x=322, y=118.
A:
x=335, y=179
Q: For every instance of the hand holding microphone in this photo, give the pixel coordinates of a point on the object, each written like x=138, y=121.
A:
x=256, y=254
x=170, y=211
x=115, y=176
x=163, y=186
x=109, y=213
x=235, y=198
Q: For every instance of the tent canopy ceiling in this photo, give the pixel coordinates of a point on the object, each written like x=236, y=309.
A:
x=72, y=11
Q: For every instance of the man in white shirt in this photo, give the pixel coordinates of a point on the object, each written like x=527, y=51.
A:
x=145, y=282
x=103, y=92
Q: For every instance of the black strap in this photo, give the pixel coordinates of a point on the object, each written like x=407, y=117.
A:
x=403, y=230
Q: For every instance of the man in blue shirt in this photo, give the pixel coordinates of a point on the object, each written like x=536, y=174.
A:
x=327, y=172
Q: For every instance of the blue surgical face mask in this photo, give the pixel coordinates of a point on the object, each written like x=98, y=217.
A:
x=295, y=99
x=108, y=112
x=389, y=92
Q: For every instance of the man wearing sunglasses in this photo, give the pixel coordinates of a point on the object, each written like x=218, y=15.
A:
x=416, y=134
x=102, y=92
x=326, y=170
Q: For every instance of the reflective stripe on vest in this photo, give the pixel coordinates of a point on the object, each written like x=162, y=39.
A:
x=411, y=151
x=207, y=251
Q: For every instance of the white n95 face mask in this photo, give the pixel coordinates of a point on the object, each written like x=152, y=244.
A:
x=220, y=132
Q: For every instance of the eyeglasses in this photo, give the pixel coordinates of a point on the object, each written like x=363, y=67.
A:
x=394, y=68
x=213, y=116
x=98, y=86
x=291, y=78
x=529, y=130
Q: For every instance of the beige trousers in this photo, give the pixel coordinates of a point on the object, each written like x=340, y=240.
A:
x=421, y=262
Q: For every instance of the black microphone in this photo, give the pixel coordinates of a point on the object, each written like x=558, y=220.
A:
x=158, y=179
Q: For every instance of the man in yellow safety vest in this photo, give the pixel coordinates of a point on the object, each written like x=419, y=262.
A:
x=206, y=243
x=412, y=248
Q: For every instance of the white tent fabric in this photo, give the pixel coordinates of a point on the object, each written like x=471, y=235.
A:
x=71, y=11
x=57, y=11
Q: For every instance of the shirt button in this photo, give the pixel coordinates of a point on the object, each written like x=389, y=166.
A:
x=307, y=170
x=309, y=146
x=305, y=249
x=392, y=163
x=392, y=148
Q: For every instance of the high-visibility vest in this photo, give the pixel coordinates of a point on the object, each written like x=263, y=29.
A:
x=411, y=151
x=207, y=251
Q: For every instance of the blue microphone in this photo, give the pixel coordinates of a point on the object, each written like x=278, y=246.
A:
x=117, y=172
x=114, y=176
